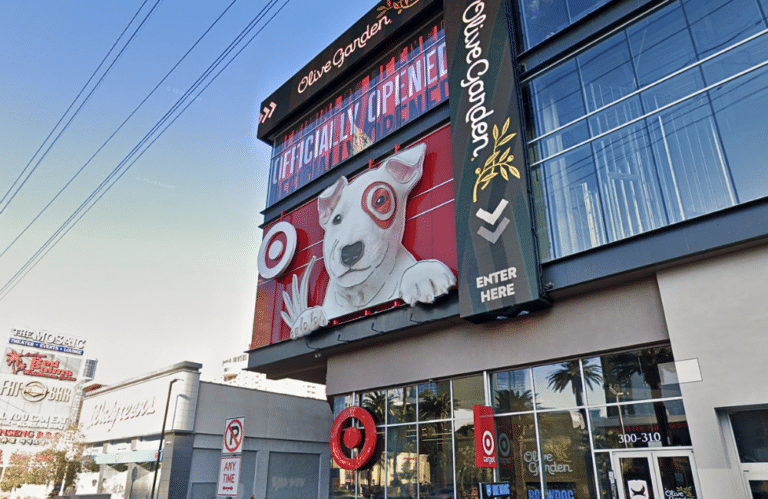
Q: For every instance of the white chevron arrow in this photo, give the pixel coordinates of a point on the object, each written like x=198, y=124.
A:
x=491, y=218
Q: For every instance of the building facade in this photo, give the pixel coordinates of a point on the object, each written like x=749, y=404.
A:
x=589, y=173
x=41, y=379
x=123, y=424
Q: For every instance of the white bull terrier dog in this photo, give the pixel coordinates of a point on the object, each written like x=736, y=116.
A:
x=363, y=252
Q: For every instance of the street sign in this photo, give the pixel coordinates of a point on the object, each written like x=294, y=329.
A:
x=234, y=433
x=229, y=476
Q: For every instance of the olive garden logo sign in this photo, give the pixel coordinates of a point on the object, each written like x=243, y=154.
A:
x=497, y=260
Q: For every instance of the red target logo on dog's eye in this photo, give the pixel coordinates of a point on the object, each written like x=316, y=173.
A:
x=343, y=434
x=380, y=203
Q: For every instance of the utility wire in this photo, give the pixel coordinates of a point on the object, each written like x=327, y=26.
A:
x=64, y=229
x=77, y=111
x=117, y=129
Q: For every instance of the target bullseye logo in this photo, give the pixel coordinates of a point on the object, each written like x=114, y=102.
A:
x=350, y=437
x=277, y=250
x=504, y=445
x=488, y=443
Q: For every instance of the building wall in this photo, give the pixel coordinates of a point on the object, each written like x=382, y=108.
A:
x=618, y=317
x=274, y=424
x=716, y=315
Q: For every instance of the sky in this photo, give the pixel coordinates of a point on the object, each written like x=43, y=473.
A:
x=162, y=269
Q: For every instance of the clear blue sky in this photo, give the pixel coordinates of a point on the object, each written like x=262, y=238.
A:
x=163, y=268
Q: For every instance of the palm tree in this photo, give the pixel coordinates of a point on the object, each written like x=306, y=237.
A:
x=570, y=374
x=513, y=401
x=646, y=364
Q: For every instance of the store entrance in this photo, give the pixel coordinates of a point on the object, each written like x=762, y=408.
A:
x=655, y=474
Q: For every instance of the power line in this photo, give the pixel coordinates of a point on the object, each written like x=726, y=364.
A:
x=66, y=226
x=117, y=130
x=135, y=32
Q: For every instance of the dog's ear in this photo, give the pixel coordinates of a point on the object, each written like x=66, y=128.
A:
x=406, y=166
x=328, y=200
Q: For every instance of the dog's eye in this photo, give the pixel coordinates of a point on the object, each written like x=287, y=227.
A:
x=380, y=200
x=336, y=220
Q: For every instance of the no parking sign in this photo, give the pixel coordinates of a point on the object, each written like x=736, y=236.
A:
x=234, y=434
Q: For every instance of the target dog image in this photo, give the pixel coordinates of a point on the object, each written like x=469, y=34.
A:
x=363, y=253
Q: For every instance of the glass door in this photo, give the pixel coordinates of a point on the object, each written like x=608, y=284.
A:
x=655, y=475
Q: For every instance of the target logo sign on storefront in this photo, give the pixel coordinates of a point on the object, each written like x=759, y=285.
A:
x=277, y=250
x=485, y=437
x=347, y=439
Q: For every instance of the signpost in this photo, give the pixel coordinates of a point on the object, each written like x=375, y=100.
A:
x=229, y=476
x=233, y=436
x=231, y=448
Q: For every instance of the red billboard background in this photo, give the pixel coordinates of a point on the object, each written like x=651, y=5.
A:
x=430, y=232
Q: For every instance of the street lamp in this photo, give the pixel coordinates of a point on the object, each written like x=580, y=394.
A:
x=162, y=437
x=618, y=394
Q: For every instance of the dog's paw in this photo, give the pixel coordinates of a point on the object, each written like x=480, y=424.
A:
x=426, y=280
x=309, y=320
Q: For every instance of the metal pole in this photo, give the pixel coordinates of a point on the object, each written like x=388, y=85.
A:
x=162, y=437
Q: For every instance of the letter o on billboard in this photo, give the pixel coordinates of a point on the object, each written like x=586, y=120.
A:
x=277, y=250
x=351, y=438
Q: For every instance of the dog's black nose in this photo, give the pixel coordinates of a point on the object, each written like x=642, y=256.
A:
x=351, y=253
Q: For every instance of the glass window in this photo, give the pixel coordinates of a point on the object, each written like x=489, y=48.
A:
x=402, y=405
x=677, y=476
x=376, y=404
x=544, y=18
x=467, y=393
x=403, y=462
x=605, y=476
x=566, y=456
x=562, y=385
x=512, y=391
x=517, y=454
x=467, y=474
x=625, y=140
x=638, y=375
x=436, y=454
x=750, y=428
x=341, y=403
x=628, y=426
x=435, y=400
x=717, y=24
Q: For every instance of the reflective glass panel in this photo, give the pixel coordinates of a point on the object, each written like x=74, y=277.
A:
x=651, y=424
x=467, y=393
x=403, y=462
x=376, y=403
x=512, y=391
x=371, y=480
x=606, y=482
x=516, y=452
x=638, y=375
x=402, y=405
x=636, y=478
x=742, y=124
x=544, y=18
x=341, y=403
x=467, y=474
x=759, y=489
x=434, y=400
x=657, y=149
x=677, y=477
x=566, y=457
x=561, y=385
x=436, y=456
x=751, y=431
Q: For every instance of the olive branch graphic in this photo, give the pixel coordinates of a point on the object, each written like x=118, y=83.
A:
x=403, y=4
x=501, y=161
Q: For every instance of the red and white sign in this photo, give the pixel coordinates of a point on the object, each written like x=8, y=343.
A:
x=350, y=437
x=233, y=436
x=229, y=476
x=485, y=437
x=416, y=221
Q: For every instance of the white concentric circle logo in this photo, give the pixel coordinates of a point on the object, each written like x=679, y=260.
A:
x=488, y=444
x=504, y=445
x=277, y=250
